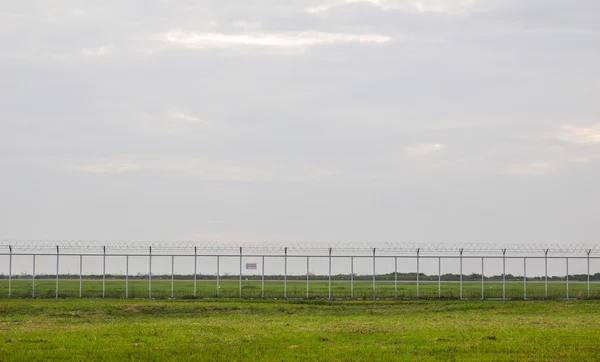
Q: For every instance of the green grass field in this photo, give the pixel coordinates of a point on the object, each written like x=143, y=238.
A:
x=223, y=330
x=161, y=289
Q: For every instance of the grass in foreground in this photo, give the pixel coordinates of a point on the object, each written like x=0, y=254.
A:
x=298, y=330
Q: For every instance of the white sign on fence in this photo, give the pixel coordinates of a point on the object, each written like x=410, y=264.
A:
x=251, y=266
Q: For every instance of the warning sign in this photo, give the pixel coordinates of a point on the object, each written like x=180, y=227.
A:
x=251, y=266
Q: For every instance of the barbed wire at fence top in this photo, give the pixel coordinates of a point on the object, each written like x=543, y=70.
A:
x=188, y=246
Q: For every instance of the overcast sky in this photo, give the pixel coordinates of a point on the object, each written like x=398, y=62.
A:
x=301, y=120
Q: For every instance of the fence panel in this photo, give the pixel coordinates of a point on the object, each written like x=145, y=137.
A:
x=299, y=275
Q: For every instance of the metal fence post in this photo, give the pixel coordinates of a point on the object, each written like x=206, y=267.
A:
x=352, y=277
x=150, y=274
x=546, y=274
x=418, y=270
x=307, y=274
x=9, y=271
x=374, y=273
x=103, y=271
x=195, y=271
x=240, y=294
x=524, y=278
x=439, y=277
x=329, y=288
x=567, y=264
x=172, y=276
x=503, y=273
x=218, y=284
x=285, y=274
x=126, y=276
x=57, y=272
x=33, y=278
x=80, y=276
x=588, y=272
x=482, y=281
x=262, y=288
x=396, y=277
x=461, y=273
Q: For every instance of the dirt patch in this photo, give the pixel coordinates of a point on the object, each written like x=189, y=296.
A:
x=34, y=340
x=362, y=330
x=132, y=307
x=537, y=323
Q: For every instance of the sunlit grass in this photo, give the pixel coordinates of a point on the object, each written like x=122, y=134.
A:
x=91, y=329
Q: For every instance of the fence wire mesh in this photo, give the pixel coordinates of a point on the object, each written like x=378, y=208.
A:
x=189, y=269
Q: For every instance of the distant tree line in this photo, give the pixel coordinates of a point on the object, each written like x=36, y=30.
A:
x=336, y=277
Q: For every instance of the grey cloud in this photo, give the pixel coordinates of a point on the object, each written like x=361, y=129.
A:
x=106, y=131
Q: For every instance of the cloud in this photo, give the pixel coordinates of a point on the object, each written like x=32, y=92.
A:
x=533, y=168
x=100, y=51
x=580, y=134
x=182, y=122
x=111, y=168
x=319, y=8
x=245, y=25
x=282, y=39
x=439, y=6
x=418, y=6
x=586, y=158
x=422, y=149
x=209, y=170
x=180, y=116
